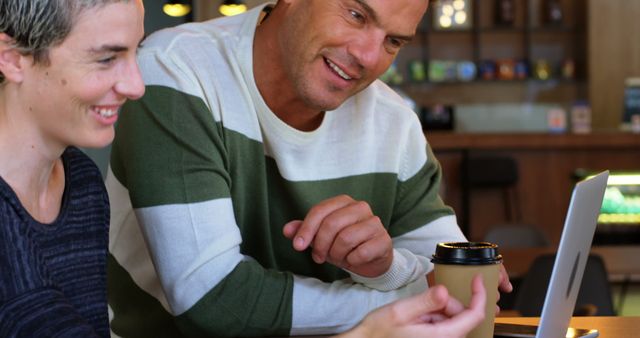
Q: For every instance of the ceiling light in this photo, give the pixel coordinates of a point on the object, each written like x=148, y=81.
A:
x=232, y=7
x=452, y=14
x=177, y=8
x=460, y=17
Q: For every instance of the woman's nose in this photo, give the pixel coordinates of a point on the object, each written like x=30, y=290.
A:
x=131, y=85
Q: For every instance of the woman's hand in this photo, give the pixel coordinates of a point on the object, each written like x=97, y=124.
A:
x=432, y=313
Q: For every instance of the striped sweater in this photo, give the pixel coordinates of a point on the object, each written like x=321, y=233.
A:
x=53, y=276
x=203, y=177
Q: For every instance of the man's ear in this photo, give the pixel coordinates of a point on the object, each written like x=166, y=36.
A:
x=11, y=66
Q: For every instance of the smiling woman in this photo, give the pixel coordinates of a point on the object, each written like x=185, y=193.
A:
x=66, y=67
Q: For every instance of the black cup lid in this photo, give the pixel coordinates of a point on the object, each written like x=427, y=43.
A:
x=467, y=253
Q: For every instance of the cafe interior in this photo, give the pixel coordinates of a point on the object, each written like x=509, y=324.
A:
x=520, y=100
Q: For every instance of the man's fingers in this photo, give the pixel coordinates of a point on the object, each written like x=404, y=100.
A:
x=504, y=283
x=309, y=228
x=290, y=229
x=353, y=237
x=345, y=233
x=334, y=225
x=373, y=249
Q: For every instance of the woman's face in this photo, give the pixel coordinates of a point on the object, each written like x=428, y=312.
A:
x=75, y=99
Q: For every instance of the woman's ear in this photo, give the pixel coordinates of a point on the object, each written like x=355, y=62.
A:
x=11, y=66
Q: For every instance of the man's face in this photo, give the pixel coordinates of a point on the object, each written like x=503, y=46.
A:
x=332, y=49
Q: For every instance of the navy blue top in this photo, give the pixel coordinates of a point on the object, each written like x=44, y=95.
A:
x=53, y=276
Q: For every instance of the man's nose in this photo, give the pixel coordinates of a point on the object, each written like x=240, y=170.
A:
x=367, y=49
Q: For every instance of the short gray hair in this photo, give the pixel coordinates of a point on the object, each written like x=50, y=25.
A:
x=37, y=25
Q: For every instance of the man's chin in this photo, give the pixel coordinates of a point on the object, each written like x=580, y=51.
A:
x=329, y=102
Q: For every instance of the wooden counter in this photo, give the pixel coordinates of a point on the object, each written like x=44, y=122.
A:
x=547, y=164
x=441, y=141
x=608, y=327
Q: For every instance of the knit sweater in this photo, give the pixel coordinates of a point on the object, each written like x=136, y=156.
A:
x=204, y=175
x=53, y=276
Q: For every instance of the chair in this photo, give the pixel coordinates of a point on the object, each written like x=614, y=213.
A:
x=594, y=297
x=516, y=236
x=489, y=171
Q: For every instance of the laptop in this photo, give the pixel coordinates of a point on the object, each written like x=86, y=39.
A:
x=568, y=268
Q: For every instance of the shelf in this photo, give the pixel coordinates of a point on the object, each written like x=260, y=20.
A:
x=609, y=141
x=554, y=29
x=447, y=31
x=550, y=82
x=526, y=39
x=490, y=92
x=501, y=30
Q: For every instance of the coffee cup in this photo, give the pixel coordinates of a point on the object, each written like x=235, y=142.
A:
x=455, y=265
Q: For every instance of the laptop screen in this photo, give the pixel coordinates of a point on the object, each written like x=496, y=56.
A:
x=568, y=269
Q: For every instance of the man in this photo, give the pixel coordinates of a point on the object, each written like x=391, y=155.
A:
x=277, y=187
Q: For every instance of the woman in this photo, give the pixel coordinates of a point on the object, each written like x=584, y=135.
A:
x=66, y=66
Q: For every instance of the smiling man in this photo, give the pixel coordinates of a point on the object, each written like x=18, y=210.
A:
x=278, y=188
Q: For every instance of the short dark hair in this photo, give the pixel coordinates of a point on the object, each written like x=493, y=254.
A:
x=34, y=26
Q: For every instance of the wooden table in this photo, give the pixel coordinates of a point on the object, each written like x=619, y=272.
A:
x=609, y=327
x=622, y=262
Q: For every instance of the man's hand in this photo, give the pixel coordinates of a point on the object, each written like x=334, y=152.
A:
x=503, y=282
x=345, y=233
x=432, y=313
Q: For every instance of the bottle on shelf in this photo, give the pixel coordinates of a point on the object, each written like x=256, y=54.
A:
x=552, y=12
x=505, y=12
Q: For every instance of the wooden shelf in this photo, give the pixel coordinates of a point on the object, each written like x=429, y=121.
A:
x=528, y=38
x=486, y=92
x=530, y=141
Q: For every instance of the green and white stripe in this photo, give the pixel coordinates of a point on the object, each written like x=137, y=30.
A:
x=203, y=176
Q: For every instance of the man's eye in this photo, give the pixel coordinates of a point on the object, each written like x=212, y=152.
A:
x=107, y=60
x=356, y=15
x=396, y=42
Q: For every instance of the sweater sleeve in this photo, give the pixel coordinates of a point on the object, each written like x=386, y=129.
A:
x=420, y=218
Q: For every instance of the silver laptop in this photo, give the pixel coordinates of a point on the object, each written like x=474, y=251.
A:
x=570, y=262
